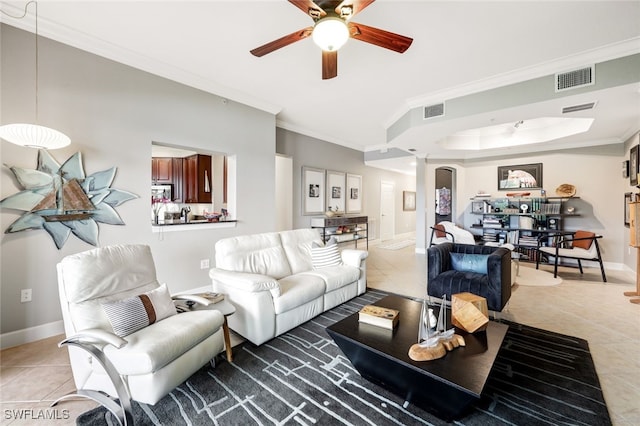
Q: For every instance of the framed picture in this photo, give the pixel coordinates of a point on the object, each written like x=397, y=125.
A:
x=408, y=201
x=336, y=190
x=628, y=198
x=354, y=193
x=625, y=169
x=313, y=187
x=633, y=166
x=522, y=176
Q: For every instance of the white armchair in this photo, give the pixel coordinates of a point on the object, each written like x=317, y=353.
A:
x=124, y=336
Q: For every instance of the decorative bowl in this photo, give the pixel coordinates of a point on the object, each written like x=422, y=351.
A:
x=212, y=216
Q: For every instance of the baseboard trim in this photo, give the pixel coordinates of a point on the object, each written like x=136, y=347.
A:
x=39, y=332
x=31, y=334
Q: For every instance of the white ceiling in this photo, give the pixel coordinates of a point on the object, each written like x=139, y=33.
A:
x=459, y=48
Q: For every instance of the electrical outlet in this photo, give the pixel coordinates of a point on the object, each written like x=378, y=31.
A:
x=25, y=295
x=204, y=263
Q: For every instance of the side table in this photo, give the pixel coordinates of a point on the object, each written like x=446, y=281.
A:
x=226, y=308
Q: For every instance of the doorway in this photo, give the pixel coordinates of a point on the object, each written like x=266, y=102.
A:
x=387, y=210
x=444, y=194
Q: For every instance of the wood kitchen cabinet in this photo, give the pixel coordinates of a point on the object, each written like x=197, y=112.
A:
x=177, y=166
x=161, y=170
x=197, y=179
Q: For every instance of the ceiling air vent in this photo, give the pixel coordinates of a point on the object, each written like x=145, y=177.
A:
x=432, y=111
x=576, y=108
x=577, y=78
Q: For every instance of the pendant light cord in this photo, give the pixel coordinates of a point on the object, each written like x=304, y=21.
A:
x=24, y=14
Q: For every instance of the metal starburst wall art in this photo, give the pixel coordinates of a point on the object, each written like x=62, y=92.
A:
x=63, y=200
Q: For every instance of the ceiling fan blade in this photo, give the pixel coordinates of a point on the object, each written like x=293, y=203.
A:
x=282, y=42
x=329, y=64
x=382, y=38
x=356, y=5
x=307, y=5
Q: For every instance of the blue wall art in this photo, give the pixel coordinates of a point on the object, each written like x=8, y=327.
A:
x=63, y=200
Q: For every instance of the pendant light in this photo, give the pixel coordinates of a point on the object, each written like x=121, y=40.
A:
x=33, y=135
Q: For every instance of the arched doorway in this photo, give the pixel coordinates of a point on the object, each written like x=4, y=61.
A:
x=445, y=194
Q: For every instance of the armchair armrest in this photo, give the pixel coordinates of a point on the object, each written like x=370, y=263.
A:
x=438, y=259
x=353, y=257
x=245, y=281
x=95, y=336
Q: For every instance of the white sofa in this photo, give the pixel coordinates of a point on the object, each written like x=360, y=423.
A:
x=271, y=281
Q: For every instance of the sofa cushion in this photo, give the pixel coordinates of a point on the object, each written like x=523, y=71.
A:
x=583, y=244
x=336, y=277
x=151, y=348
x=467, y=262
x=297, y=247
x=296, y=290
x=256, y=254
x=325, y=256
x=134, y=313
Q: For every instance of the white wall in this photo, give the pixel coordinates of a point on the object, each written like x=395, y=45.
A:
x=112, y=114
x=594, y=171
x=312, y=152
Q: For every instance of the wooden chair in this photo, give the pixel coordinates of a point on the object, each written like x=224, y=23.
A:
x=577, y=245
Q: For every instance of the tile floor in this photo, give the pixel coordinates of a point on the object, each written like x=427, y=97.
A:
x=33, y=375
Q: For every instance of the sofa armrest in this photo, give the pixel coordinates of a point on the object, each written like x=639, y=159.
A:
x=499, y=272
x=438, y=259
x=353, y=257
x=244, y=281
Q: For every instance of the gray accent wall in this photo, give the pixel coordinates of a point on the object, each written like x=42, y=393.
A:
x=112, y=113
x=312, y=152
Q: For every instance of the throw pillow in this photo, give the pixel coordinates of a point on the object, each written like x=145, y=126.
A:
x=467, y=262
x=130, y=315
x=325, y=256
x=583, y=244
x=439, y=231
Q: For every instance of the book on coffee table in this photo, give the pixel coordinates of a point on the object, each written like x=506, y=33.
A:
x=213, y=297
x=379, y=316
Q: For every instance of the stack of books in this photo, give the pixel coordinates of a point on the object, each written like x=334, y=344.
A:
x=492, y=223
x=379, y=316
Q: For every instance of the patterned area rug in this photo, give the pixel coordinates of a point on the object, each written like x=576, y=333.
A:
x=397, y=245
x=302, y=378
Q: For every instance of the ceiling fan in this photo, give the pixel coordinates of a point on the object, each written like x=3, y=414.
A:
x=332, y=28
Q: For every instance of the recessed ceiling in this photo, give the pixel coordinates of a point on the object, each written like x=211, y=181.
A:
x=522, y=132
x=460, y=50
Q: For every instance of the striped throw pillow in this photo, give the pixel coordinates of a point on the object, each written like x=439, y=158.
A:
x=325, y=256
x=135, y=313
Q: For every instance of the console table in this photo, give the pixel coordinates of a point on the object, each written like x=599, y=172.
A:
x=344, y=228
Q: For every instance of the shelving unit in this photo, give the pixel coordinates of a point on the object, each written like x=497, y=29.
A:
x=345, y=229
x=507, y=220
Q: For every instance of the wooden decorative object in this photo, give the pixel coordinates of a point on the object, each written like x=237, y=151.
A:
x=469, y=312
x=420, y=353
x=634, y=241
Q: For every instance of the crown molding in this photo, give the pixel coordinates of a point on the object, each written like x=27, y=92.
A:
x=593, y=56
x=97, y=46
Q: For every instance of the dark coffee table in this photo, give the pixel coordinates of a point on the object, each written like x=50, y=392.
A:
x=445, y=387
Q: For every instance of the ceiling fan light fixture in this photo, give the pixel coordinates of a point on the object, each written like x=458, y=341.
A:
x=330, y=33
